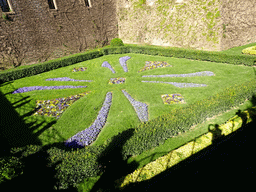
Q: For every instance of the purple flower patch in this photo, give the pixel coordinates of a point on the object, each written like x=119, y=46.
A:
x=106, y=64
x=87, y=136
x=122, y=61
x=66, y=79
x=33, y=88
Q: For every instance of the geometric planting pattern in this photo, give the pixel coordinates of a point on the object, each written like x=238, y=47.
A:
x=56, y=107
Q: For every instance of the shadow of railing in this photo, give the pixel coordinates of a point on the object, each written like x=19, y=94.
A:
x=227, y=158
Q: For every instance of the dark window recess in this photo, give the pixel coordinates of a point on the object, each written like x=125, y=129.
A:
x=87, y=4
x=51, y=4
x=4, y=6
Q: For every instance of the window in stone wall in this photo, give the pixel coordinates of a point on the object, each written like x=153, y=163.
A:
x=5, y=6
x=52, y=4
x=87, y=3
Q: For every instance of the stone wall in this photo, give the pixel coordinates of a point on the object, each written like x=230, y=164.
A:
x=43, y=33
x=239, y=23
x=196, y=24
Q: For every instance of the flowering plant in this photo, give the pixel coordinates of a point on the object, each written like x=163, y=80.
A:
x=33, y=88
x=106, y=64
x=66, y=79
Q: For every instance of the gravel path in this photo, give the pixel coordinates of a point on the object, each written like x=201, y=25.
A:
x=140, y=108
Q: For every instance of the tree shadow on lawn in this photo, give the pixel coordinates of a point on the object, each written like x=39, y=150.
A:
x=14, y=131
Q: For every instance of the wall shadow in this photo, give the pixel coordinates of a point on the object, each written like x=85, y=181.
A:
x=227, y=163
x=113, y=163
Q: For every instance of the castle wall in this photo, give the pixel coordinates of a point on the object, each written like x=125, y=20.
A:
x=239, y=24
x=196, y=24
x=43, y=33
x=177, y=23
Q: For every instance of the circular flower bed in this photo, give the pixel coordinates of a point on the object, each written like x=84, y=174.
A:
x=118, y=80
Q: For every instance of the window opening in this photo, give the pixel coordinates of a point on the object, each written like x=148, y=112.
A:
x=5, y=6
x=52, y=4
x=87, y=3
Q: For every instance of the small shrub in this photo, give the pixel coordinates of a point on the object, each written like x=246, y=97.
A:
x=116, y=42
x=250, y=50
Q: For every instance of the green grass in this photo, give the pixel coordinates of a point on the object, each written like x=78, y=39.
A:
x=122, y=116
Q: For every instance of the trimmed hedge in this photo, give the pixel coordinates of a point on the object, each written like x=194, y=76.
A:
x=155, y=132
x=167, y=52
x=47, y=66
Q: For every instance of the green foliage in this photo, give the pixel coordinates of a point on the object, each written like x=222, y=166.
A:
x=156, y=131
x=4, y=16
x=116, y=42
x=47, y=66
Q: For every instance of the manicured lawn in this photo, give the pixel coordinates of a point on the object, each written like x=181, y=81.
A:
x=82, y=113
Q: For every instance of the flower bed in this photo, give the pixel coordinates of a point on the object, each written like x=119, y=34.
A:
x=180, y=85
x=122, y=61
x=33, y=88
x=87, y=136
x=66, y=79
x=154, y=64
x=118, y=80
x=55, y=107
x=140, y=108
x=172, y=99
x=76, y=69
x=106, y=64
x=203, y=73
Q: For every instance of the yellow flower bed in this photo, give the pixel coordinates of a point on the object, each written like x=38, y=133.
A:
x=250, y=50
x=183, y=152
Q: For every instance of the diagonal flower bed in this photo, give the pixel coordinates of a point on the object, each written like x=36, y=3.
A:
x=172, y=99
x=180, y=85
x=118, y=80
x=33, y=88
x=66, y=79
x=107, y=65
x=154, y=64
x=55, y=107
x=87, y=136
x=140, y=108
x=122, y=62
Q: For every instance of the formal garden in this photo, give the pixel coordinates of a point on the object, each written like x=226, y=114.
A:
x=128, y=105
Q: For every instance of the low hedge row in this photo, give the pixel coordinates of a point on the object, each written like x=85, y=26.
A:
x=156, y=131
x=47, y=66
x=168, y=52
